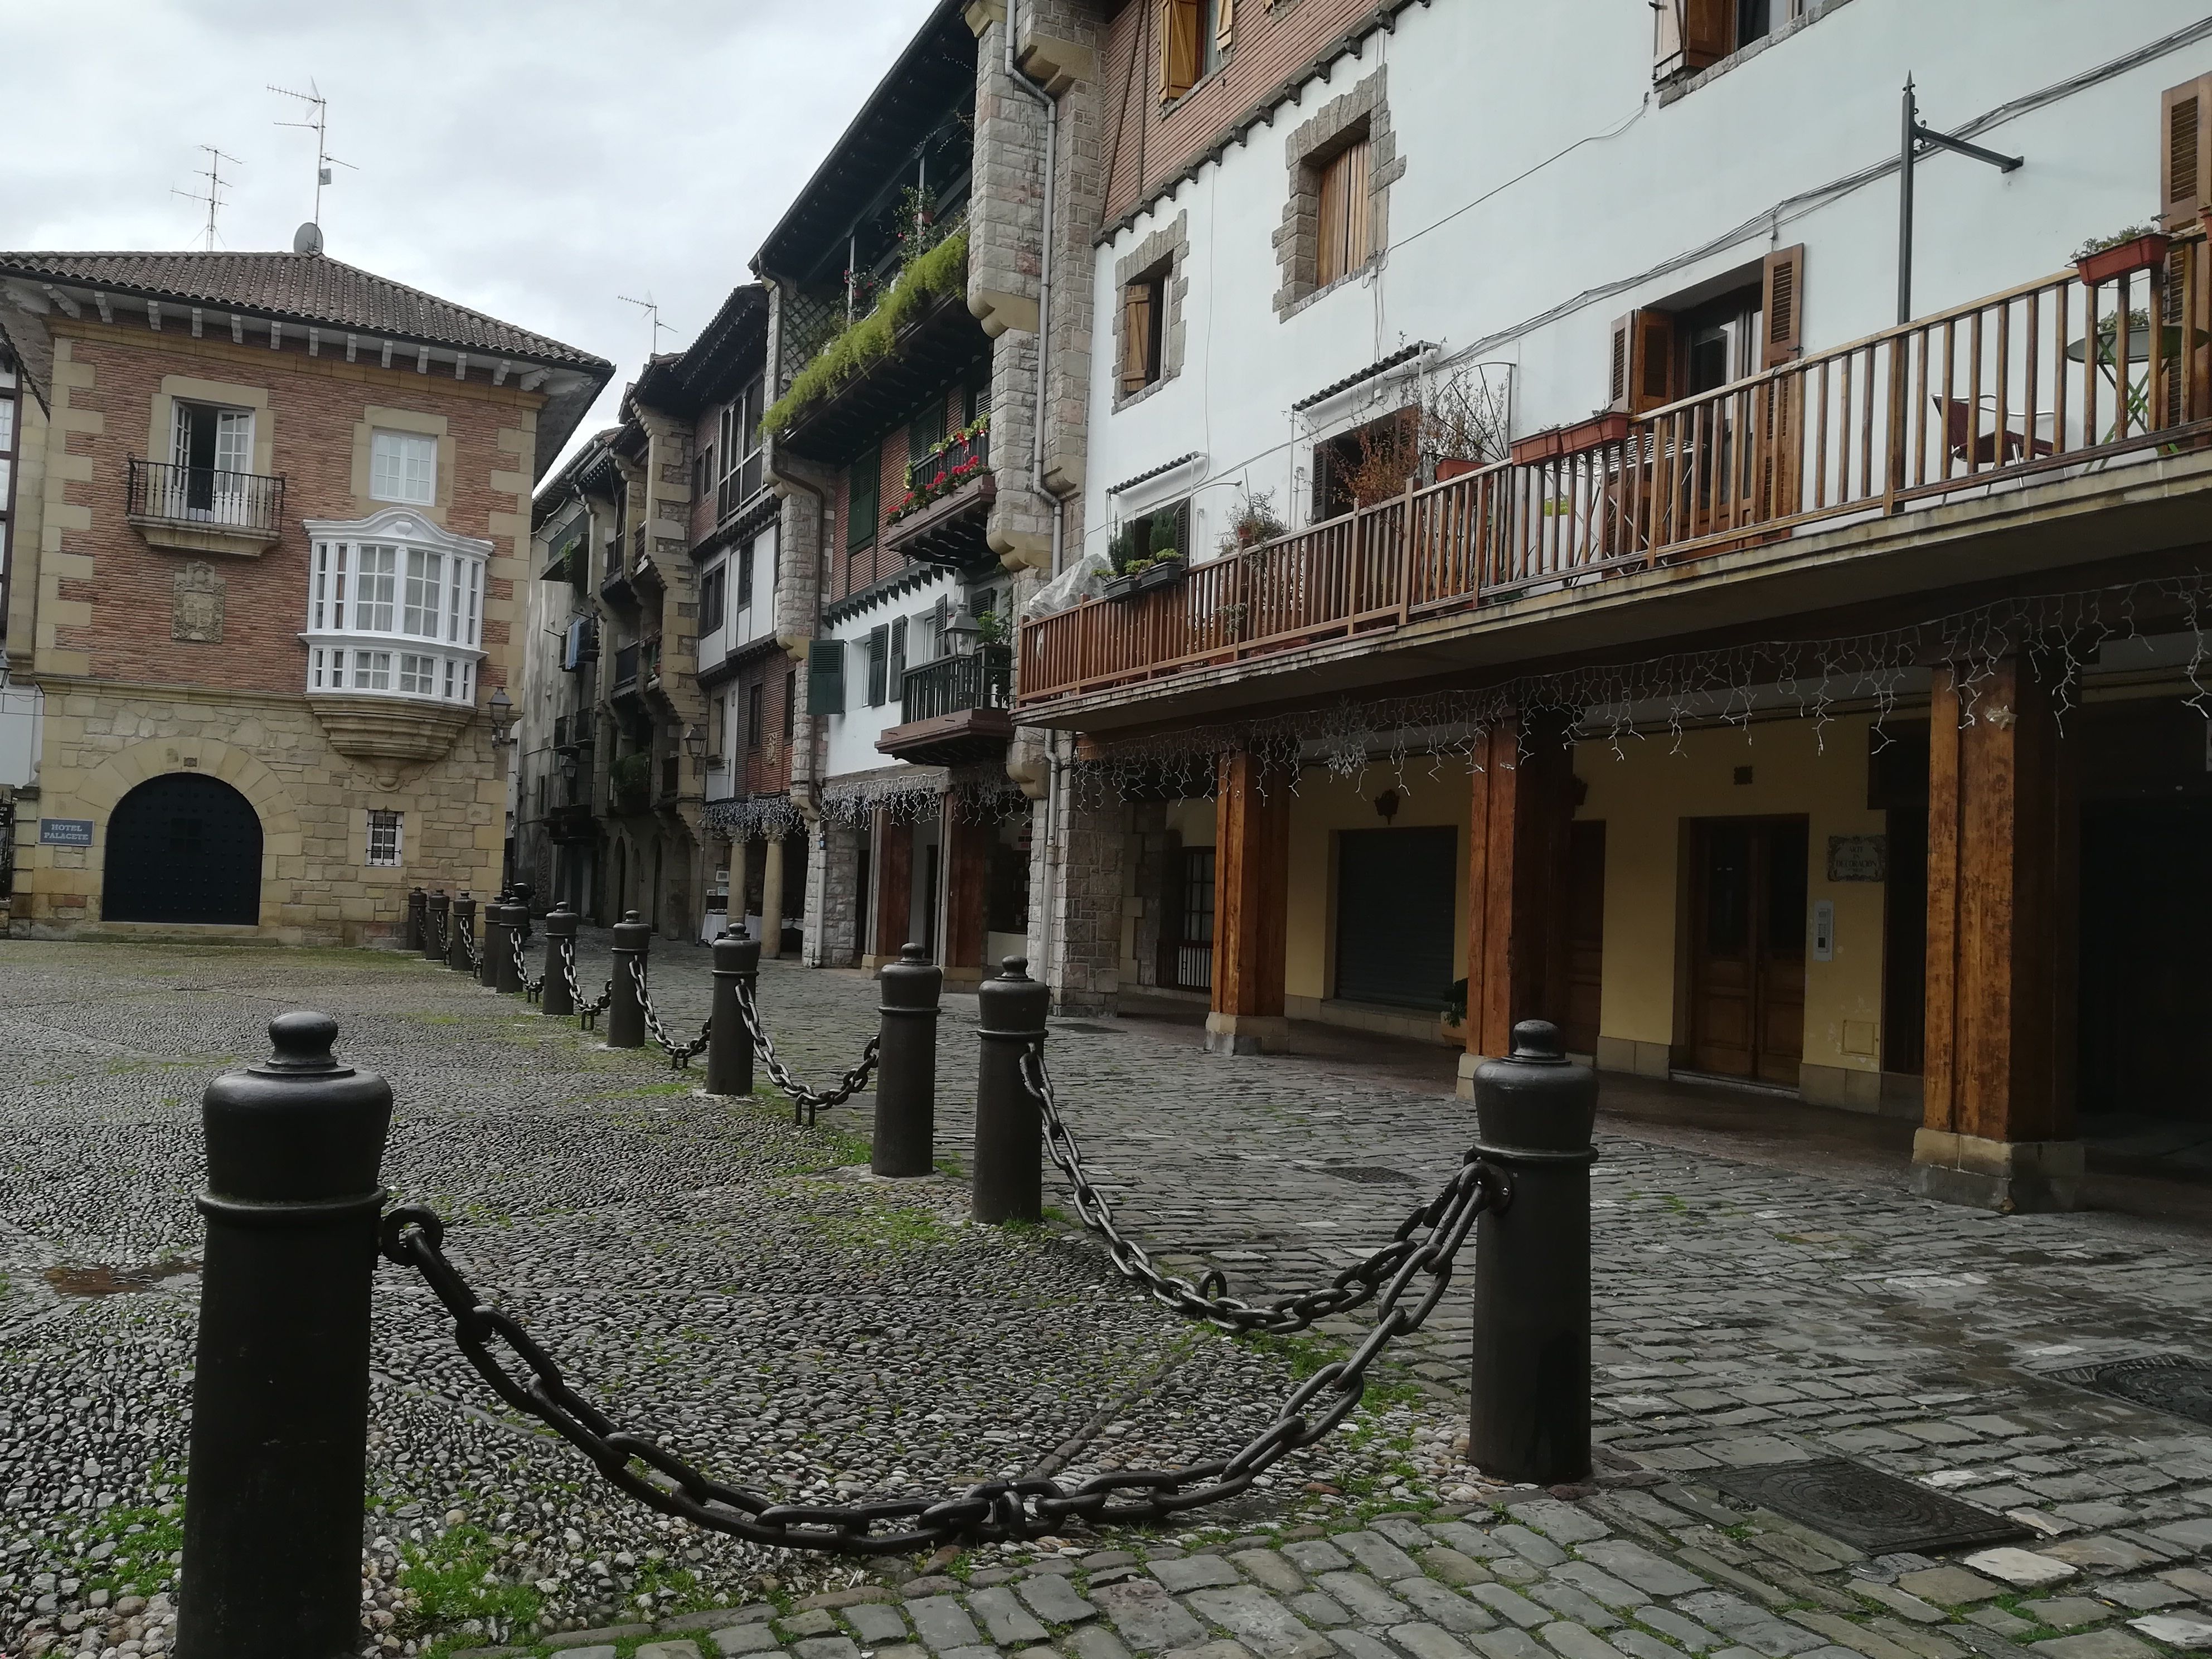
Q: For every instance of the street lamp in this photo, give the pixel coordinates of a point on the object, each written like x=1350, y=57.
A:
x=962, y=630
x=503, y=711
x=694, y=742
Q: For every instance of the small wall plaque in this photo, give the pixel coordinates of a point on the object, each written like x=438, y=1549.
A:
x=197, y=615
x=65, y=832
x=1858, y=858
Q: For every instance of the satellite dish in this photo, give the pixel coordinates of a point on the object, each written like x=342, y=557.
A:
x=308, y=239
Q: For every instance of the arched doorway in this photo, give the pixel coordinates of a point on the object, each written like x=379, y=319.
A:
x=183, y=847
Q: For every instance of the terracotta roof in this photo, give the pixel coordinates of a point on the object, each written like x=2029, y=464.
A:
x=307, y=288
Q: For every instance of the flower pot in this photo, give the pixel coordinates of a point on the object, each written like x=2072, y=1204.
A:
x=1119, y=587
x=1161, y=574
x=2144, y=253
x=1536, y=446
x=1598, y=430
x=1456, y=467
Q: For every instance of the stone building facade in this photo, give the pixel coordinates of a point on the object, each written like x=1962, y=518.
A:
x=266, y=578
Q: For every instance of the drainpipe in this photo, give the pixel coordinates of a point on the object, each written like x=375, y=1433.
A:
x=802, y=776
x=1020, y=78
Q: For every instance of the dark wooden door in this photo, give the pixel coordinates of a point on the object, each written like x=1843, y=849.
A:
x=1585, y=934
x=1396, y=919
x=1186, y=947
x=1747, y=921
x=183, y=847
x=2146, y=977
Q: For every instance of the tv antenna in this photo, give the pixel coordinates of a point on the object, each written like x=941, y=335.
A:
x=651, y=307
x=216, y=187
x=320, y=126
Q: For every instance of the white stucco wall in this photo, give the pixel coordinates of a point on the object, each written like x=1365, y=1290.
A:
x=1541, y=165
x=851, y=737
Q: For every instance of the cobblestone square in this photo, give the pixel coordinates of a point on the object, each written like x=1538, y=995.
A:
x=740, y=1288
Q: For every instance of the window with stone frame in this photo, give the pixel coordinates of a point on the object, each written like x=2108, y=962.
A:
x=1148, y=332
x=1144, y=324
x=384, y=840
x=1342, y=162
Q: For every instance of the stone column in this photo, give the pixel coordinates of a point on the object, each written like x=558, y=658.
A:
x=1998, y=1130
x=833, y=877
x=740, y=850
x=1075, y=900
x=1516, y=941
x=772, y=897
x=1252, y=815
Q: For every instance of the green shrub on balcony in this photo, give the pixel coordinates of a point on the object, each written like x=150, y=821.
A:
x=927, y=278
x=632, y=777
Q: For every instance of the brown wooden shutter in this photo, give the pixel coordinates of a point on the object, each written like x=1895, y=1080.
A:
x=1781, y=299
x=1352, y=168
x=1328, y=257
x=1225, y=24
x=1689, y=35
x=2185, y=115
x=1643, y=368
x=1136, y=336
x=1181, y=54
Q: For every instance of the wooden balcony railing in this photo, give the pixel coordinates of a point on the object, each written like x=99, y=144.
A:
x=2039, y=379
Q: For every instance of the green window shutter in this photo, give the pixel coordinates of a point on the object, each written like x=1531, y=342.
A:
x=825, y=677
x=925, y=432
x=862, y=492
x=880, y=645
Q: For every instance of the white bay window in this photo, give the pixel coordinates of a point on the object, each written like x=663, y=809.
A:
x=395, y=608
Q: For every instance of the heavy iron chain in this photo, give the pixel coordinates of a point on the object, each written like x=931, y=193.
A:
x=469, y=946
x=803, y=1099
x=586, y=1011
x=992, y=1511
x=531, y=988
x=436, y=924
x=1356, y=1285
x=680, y=1055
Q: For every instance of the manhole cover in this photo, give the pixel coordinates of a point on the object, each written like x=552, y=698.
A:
x=100, y=1279
x=2182, y=1388
x=1368, y=1174
x=1086, y=1031
x=1879, y=1513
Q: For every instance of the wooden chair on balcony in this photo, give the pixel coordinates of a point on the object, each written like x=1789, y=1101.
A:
x=1995, y=448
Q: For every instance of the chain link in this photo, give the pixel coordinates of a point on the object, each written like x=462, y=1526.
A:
x=1356, y=1285
x=586, y=1011
x=803, y=1099
x=992, y=1511
x=680, y=1055
x=468, y=959
x=531, y=988
x=437, y=923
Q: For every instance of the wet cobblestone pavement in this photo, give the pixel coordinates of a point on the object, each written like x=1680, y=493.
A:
x=704, y=1267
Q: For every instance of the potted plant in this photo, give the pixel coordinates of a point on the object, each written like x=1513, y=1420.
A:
x=1128, y=552
x=1603, y=427
x=1253, y=522
x=2139, y=247
x=1163, y=569
x=631, y=776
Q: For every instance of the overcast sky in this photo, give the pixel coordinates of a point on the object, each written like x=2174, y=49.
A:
x=532, y=158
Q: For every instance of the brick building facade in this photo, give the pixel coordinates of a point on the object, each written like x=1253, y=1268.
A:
x=267, y=582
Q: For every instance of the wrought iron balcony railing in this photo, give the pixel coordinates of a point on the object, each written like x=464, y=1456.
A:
x=204, y=495
x=982, y=678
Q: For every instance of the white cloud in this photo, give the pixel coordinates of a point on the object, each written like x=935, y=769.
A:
x=530, y=158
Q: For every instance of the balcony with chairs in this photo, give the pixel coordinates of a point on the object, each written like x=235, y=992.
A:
x=1962, y=446
x=203, y=509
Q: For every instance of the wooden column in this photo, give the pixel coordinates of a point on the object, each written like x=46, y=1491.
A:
x=966, y=864
x=1252, y=820
x=894, y=878
x=2002, y=882
x=1518, y=965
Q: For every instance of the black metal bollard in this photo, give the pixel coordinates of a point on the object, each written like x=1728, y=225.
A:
x=729, y=1045
x=1009, y=1183
x=492, y=942
x=437, y=912
x=906, y=1069
x=512, y=919
x=1531, y=1412
x=410, y=929
x=280, y=1385
x=561, y=925
x=463, y=928
x=626, y=1014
